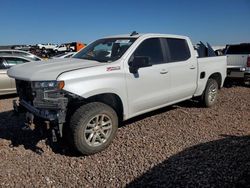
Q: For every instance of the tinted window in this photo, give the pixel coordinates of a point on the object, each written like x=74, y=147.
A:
x=178, y=49
x=150, y=48
x=239, y=49
x=11, y=61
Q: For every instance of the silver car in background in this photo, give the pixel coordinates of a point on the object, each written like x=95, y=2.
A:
x=20, y=53
x=7, y=84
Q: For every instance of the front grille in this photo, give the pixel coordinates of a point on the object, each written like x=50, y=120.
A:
x=24, y=90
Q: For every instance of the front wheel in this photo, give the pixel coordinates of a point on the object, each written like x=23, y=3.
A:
x=93, y=126
x=210, y=94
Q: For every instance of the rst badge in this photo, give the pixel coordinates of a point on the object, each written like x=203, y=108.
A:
x=113, y=68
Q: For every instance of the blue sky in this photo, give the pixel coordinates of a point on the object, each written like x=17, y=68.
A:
x=58, y=21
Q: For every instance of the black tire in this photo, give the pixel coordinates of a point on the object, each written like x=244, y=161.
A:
x=210, y=94
x=81, y=120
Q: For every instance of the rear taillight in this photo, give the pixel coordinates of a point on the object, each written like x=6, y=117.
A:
x=248, y=61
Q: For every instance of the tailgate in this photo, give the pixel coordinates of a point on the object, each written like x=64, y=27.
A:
x=236, y=61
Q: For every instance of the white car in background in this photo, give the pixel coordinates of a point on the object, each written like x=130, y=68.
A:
x=47, y=46
x=64, y=48
x=238, y=61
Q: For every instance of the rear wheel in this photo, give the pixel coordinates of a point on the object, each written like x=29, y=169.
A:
x=93, y=126
x=209, y=96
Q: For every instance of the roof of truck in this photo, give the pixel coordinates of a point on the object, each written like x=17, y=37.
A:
x=145, y=35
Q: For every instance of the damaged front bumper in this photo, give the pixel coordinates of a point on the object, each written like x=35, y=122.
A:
x=49, y=106
x=45, y=114
x=57, y=116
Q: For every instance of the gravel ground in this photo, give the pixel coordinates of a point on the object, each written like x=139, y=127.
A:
x=181, y=145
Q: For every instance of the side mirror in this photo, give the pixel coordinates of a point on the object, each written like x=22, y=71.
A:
x=138, y=62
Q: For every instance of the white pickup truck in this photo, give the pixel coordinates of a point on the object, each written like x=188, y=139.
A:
x=47, y=46
x=114, y=79
x=238, y=61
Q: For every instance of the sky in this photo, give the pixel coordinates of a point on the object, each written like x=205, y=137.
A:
x=218, y=22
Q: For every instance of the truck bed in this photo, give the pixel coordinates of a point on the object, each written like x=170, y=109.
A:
x=210, y=65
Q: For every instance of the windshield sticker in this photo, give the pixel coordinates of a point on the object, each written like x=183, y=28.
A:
x=122, y=41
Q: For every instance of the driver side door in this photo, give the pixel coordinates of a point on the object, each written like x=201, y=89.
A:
x=148, y=89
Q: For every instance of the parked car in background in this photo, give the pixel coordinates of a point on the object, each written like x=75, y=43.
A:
x=47, y=46
x=64, y=55
x=114, y=79
x=20, y=53
x=7, y=84
x=64, y=48
x=238, y=61
x=21, y=47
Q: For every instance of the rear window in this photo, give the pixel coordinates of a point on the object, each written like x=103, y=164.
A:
x=178, y=49
x=238, y=49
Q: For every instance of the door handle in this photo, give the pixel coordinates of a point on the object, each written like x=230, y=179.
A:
x=193, y=67
x=163, y=71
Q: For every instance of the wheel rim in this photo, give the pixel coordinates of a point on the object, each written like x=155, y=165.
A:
x=98, y=130
x=212, y=93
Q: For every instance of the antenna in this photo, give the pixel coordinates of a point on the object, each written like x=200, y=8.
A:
x=133, y=33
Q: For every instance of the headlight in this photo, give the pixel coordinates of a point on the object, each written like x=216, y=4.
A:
x=49, y=84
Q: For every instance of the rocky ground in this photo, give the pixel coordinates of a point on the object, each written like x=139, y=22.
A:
x=181, y=145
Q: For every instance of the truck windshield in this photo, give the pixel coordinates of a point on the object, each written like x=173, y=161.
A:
x=105, y=50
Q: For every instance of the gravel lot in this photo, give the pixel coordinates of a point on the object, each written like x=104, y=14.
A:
x=176, y=146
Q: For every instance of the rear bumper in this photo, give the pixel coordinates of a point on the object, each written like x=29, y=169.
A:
x=238, y=72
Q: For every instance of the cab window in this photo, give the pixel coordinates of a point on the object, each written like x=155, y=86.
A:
x=178, y=49
x=151, y=48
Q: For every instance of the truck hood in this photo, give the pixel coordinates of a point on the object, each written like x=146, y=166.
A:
x=50, y=69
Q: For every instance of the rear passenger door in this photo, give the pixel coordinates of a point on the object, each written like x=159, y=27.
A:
x=182, y=68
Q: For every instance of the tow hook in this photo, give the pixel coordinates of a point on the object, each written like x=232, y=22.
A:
x=29, y=124
x=57, y=131
x=54, y=137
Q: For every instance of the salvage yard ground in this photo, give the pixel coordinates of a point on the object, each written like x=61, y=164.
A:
x=176, y=146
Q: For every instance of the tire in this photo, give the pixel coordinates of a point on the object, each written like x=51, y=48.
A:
x=210, y=94
x=93, y=127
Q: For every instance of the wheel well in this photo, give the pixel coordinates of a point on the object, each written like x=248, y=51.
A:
x=217, y=78
x=110, y=99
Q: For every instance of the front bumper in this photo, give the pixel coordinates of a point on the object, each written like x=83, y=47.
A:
x=41, y=113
